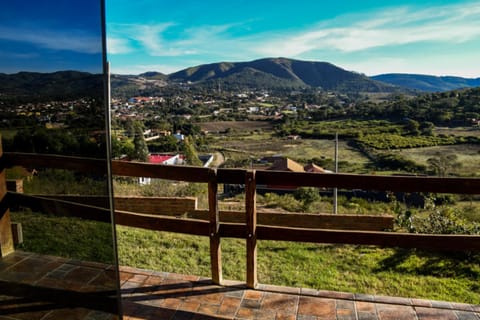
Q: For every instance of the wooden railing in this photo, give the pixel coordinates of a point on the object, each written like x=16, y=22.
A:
x=251, y=227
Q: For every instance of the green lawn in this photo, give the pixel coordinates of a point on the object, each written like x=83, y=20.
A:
x=359, y=269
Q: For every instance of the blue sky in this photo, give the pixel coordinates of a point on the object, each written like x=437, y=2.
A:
x=50, y=35
x=371, y=37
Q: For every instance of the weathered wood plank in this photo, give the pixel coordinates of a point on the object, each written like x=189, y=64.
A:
x=382, y=239
x=302, y=220
x=60, y=207
x=186, y=208
x=214, y=226
x=371, y=182
x=17, y=233
x=197, y=174
x=327, y=221
x=159, y=223
x=6, y=237
x=151, y=205
x=251, y=218
x=196, y=227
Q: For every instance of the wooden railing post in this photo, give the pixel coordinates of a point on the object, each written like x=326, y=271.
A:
x=251, y=211
x=6, y=238
x=215, y=248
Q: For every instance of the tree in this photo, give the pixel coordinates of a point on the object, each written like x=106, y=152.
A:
x=191, y=152
x=140, y=145
x=412, y=127
x=442, y=164
x=427, y=128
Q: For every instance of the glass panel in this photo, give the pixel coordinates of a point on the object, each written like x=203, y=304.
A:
x=53, y=109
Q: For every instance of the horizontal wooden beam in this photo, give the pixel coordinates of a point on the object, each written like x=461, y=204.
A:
x=145, y=221
x=382, y=239
x=60, y=207
x=370, y=182
x=264, y=232
x=172, y=206
x=237, y=176
x=298, y=220
x=160, y=223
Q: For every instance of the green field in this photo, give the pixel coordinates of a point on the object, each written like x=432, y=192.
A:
x=259, y=145
x=468, y=156
x=357, y=269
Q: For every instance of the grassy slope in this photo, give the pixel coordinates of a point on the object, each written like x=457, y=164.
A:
x=395, y=272
x=357, y=269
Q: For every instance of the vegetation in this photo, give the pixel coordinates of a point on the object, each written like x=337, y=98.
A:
x=435, y=134
x=360, y=269
x=66, y=237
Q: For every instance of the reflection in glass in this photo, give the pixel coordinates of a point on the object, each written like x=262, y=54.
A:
x=52, y=103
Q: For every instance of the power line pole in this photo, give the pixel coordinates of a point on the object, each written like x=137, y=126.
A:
x=335, y=190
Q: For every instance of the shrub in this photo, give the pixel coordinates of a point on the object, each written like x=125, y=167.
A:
x=446, y=221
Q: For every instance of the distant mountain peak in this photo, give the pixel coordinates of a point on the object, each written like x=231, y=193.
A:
x=280, y=72
x=427, y=83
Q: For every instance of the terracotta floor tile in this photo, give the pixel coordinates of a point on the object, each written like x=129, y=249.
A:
x=346, y=314
x=154, y=280
x=434, y=314
x=211, y=298
x=395, y=312
x=318, y=307
x=393, y=300
x=245, y=313
x=365, y=306
x=280, y=302
x=421, y=303
x=140, y=278
x=367, y=316
x=264, y=315
x=251, y=304
x=229, y=306
x=253, y=295
x=189, y=306
x=281, y=316
x=171, y=303
x=463, y=315
x=159, y=295
x=208, y=309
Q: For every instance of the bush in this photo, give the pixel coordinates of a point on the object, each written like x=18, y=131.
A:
x=445, y=221
x=307, y=195
x=286, y=202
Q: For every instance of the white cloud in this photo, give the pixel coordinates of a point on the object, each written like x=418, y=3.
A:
x=71, y=40
x=118, y=46
x=151, y=38
x=454, y=24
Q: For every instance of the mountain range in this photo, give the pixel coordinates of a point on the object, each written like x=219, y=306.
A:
x=59, y=85
x=277, y=73
x=280, y=73
x=427, y=83
x=267, y=73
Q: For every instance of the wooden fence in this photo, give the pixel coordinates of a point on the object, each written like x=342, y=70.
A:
x=253, y=226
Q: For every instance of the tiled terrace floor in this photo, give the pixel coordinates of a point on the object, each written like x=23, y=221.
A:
x=157, y=295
